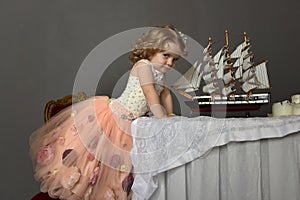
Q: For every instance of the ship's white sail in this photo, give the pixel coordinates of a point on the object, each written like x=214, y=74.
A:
x=227, y=90
x=238, y=51
x=262, y=76
x=209, y=67
x=220, y=68
x=227, y=77
x=217, y=57
x=248, y=74
x=245, y=53
x=210, y=88
x=247, y=63
x=207, y=49
x=243, y=56
x=209, y=77
x=220, y=72
x=190, y=81
x=250, y=84
x=239, y=72
x=213, y=71
x=256, y=78
x=238, y=62
x=196, y=79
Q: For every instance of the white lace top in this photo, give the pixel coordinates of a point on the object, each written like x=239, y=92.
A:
x=133, y=97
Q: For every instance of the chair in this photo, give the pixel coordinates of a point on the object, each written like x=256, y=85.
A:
x=51, y=109
x=55, y=106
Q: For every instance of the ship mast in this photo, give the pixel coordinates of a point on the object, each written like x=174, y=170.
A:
x=229, y=62
x=226, y=39
x=210, y=44
x=210, y=52
x=227, y=55
x=245, y=37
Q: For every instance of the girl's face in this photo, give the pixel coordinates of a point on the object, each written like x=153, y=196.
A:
x=164, y=60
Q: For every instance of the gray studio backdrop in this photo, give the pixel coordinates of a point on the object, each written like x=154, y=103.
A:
x=44, y=42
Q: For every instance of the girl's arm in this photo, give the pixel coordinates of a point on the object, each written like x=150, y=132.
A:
x=166, y=99
x=153, y=100
x=145, y=74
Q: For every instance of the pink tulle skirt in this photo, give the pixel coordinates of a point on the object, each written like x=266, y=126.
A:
x=84, y=152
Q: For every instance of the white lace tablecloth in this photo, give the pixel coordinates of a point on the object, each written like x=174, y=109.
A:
x=162, y=145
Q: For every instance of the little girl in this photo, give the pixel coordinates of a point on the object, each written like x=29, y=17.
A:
x=84, y=151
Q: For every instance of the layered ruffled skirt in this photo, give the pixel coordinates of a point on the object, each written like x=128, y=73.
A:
x=84, y=152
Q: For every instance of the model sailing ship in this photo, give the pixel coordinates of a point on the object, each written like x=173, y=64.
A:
x=226, y=78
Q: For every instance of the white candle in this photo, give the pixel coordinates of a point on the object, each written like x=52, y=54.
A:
x=295, y=98
x=296, y=109
x=282, y=108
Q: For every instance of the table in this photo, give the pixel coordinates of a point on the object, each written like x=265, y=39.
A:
x=210, y=158
x=257, y=170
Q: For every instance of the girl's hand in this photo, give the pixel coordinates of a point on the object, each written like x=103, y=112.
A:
x=168, y=116
x=171, y=115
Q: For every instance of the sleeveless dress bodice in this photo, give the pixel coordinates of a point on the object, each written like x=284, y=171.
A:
x=133, y=97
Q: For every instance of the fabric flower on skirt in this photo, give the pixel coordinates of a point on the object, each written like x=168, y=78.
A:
x=71, y=178
x=127, y=183
x=95, y=175
x=115, y=161
x=109, y=195
x=45, y=155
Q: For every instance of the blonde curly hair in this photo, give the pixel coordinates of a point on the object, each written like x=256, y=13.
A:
x=155, y=40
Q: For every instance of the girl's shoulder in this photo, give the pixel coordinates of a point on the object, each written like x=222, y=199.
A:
x=141, y=66
x=143, y=62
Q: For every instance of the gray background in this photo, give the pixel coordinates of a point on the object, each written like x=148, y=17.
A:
x=44, y=42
